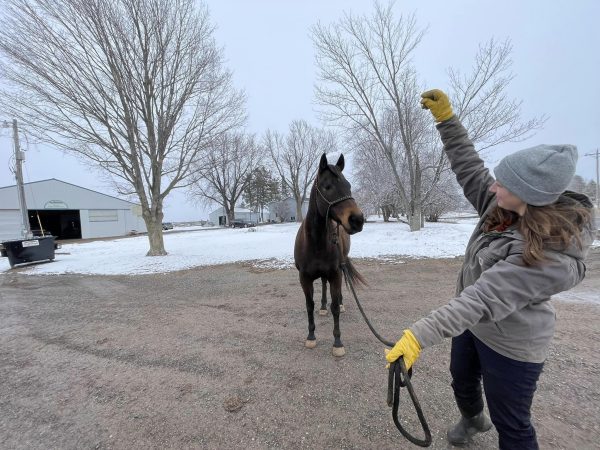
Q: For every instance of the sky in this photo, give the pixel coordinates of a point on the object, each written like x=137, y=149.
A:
x=266, y=43
x=266, y=247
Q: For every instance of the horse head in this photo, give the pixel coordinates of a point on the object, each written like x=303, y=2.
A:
x=334, y=196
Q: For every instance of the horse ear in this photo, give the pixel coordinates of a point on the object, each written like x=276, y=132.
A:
x=323, y=164
x=340, y=162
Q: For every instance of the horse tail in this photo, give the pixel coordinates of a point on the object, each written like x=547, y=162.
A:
x=352, y=275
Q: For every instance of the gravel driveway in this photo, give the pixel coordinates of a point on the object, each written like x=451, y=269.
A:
x=215, y=358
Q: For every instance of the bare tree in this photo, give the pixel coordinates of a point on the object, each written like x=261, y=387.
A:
x=577, y=184
x=136, y=86
x=591, y=190
x=369, y=87
x=480, y=99
x=375, y=184
x=280, y=210
x=296, y=157
x=224, y=173
x=444, y=197
x=363, y=64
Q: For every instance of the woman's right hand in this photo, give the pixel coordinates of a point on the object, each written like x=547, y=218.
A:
x=438, y=103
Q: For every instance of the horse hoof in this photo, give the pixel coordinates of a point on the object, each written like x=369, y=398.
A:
x=310, y=344
x=342, y=308
x=322, y=312
x=338, y=351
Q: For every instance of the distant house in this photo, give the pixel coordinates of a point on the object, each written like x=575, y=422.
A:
x=285, y=210
x=218, y=215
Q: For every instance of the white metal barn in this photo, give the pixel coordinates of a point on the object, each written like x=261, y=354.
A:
x=218, y=215
x=68, y=211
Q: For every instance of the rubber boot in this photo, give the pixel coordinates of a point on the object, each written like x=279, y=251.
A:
x=461, y=433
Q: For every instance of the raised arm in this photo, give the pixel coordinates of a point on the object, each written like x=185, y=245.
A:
x=471, y=174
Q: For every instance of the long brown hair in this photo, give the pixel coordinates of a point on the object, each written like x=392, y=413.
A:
x=553, y=226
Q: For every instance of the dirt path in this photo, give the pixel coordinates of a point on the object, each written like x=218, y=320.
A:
x=215, y=358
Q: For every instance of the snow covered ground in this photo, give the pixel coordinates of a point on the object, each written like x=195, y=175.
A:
x=269, y=245
x=264, y=246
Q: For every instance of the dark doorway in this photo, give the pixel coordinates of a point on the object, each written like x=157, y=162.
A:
x=61, y=223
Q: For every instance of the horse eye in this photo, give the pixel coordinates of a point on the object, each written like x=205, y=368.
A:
x=327, y=187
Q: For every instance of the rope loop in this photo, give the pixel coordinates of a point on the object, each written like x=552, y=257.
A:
x=398, y=377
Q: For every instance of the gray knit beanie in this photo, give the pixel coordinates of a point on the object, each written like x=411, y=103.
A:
x=538, y=175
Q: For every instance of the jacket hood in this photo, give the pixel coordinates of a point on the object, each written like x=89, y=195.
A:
x=580, y=198
x=587, y=234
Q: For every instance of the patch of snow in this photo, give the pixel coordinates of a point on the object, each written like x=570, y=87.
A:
x=576, y=296
x=267, y=247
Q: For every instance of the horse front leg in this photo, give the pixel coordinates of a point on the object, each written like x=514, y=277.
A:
x=335, y=286
x=308, y=288
x=323, y=310
x=342, y=307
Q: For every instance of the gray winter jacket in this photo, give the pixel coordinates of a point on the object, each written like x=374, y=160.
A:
x=500, y=299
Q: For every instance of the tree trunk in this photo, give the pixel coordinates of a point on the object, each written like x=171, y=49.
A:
x=386, y=213
x=414, y=219
x=155, y=234
x=230, y=215
x=298, y=210
x=416, y=201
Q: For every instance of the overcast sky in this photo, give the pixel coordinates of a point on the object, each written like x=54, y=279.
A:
x=556, y=60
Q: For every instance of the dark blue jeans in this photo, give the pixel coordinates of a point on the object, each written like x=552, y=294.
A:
x=509, y=387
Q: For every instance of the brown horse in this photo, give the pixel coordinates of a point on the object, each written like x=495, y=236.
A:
x=323, y=242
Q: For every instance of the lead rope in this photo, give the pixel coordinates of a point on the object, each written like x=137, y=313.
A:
x=398, y=377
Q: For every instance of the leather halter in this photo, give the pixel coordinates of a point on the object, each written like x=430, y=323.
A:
x=330, y=203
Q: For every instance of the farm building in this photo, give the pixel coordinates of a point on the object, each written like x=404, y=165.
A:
x=218, y=215
x=285, y=210
x=68, y=211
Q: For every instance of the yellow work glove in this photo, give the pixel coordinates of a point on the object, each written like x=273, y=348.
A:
x=438, y=103
x=407, y=346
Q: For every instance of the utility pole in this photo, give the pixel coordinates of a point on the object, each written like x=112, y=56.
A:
x=19, y=158
x=597, y=155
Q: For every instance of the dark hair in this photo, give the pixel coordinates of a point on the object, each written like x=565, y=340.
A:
x=553, y=226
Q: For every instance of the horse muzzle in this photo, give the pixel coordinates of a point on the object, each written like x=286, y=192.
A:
x=355, y=223
x=349, y=216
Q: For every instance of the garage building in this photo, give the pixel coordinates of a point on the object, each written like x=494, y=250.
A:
x=218, y=215
x=68, y=211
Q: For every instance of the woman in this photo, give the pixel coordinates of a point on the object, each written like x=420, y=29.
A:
x=529, y=244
